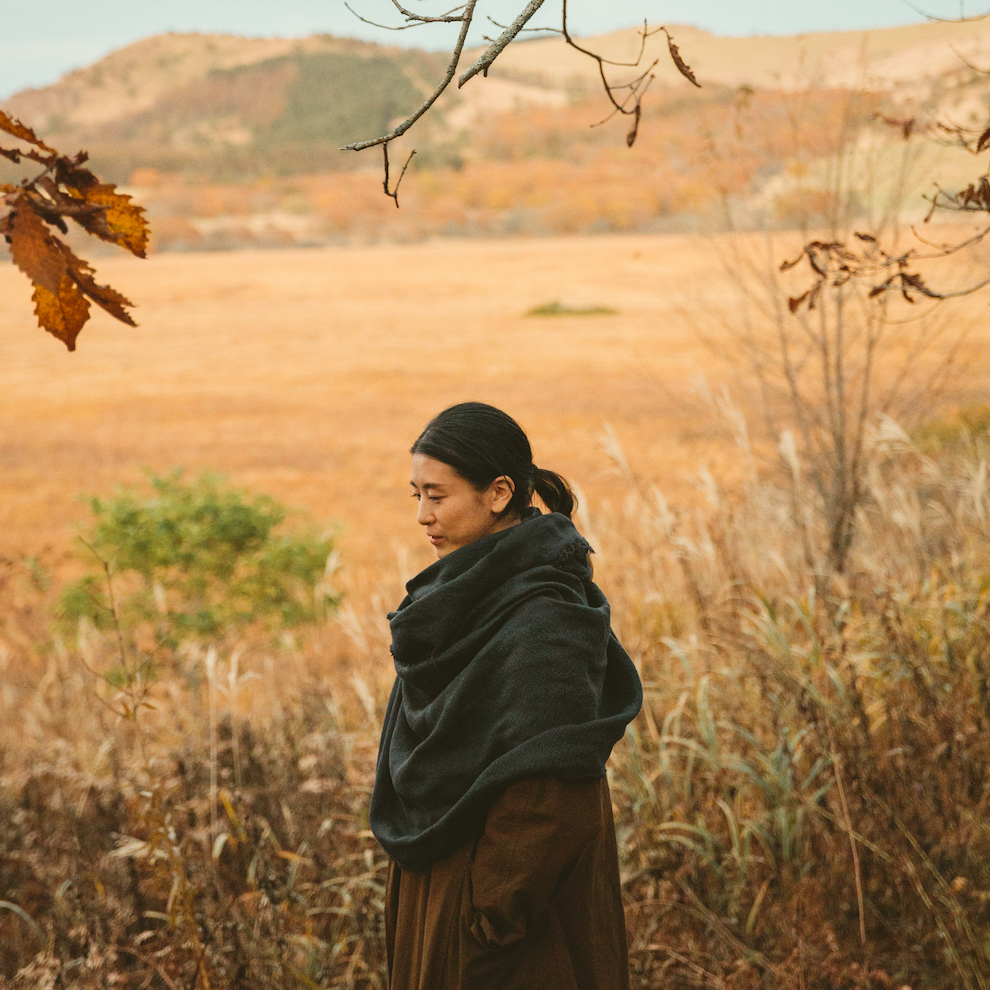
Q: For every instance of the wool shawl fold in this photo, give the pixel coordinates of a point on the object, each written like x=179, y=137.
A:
x=507, y=668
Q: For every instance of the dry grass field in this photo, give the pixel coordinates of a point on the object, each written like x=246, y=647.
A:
x=803, y=802
x=308, y=373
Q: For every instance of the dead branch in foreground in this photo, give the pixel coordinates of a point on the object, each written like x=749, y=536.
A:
x=867, y=262
x=625, y=97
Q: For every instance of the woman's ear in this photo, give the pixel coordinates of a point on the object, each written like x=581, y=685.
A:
x=502, y=489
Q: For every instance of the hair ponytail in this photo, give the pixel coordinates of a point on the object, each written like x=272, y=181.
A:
x=555, y=492
x=482, y=443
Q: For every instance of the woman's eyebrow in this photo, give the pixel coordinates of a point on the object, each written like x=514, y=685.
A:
x=428, y=486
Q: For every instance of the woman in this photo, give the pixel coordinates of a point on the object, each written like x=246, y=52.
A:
x=490, y=795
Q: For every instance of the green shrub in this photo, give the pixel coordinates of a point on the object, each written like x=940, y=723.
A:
x=196, y=559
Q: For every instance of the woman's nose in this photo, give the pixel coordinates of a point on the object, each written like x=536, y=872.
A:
x=424, y=512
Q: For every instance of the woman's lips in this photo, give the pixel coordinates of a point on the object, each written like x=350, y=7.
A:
x=434, y=539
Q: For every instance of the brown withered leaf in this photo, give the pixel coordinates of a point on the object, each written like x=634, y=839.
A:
x=34, y=250
x=786, y=266
x=67, y=206
x=984, y=141
x=794, y=303
x=53, y=205
x=64, y=285
x=869, y=238
x=12, y=126
x=45, y=210
x=816, y=252
x=914, y=280
x=634, y=130
x=63, y=313
x=62, y=281
x=104, y=296
x=120, y=220
x=682, y=67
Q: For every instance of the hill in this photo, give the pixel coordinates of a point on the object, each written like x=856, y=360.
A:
x=227, y=107
x=234, y=141
x=912, y=59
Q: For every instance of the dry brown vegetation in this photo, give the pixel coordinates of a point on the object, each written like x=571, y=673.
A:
x=803, y=802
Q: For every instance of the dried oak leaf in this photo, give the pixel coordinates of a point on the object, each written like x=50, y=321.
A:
x=104, y=296
x=33, y=248
x=118, y=220
x=61, y=281
x=12, y=126
x=984, y=141
x=682, y=67
x=66, y=206
x=59, y=305
x=62, y=313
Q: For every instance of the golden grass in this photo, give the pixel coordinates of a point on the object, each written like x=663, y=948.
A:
x=221, y=838
x=309, y=373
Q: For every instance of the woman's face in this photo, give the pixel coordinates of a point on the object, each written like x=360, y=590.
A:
x=453, y=511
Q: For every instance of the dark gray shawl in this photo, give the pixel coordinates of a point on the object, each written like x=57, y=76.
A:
x=507, y=668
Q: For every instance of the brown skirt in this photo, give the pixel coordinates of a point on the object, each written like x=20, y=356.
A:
x=532, y=904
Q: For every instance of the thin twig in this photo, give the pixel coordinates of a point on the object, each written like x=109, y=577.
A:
x=417, y=19
x=455, y=57
x=934, y=18
x=394, y=193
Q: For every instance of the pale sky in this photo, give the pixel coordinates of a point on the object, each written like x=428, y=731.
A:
x=39, y=42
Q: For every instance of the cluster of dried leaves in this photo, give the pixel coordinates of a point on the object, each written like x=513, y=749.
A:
x=64, y=284
x=835, y=263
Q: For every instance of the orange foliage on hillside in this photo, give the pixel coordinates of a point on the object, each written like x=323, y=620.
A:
x=535, y=171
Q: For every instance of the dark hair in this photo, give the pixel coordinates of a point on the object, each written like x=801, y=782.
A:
x=482, y=443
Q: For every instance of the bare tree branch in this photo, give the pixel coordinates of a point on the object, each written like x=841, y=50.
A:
x=455, y=57
x=496, y=48
x=626, y=98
